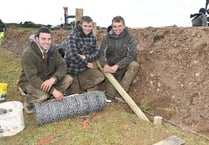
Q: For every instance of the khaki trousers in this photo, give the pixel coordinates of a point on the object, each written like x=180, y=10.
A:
x=35, y=95
x=86, y=80
x=125, y=77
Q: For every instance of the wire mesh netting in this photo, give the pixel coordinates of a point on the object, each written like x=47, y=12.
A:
x=71, y=106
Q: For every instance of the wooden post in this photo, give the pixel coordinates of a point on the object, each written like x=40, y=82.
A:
x=65, y=15
x=78, y=14
x=124, y=94
x=95, y=29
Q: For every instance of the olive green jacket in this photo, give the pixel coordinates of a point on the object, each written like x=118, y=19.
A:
x=120, y=50
x=36, y=69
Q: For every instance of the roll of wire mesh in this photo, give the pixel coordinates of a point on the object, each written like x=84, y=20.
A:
x=71, y=106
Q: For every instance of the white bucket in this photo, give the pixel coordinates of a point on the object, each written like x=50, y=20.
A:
x=11, y=118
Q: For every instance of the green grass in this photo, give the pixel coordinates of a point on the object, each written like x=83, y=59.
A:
x=9, y=72
x=146, y=104
x=114, y=125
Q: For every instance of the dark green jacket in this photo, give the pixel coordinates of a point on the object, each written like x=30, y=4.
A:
x=2, y=26
x=36, y=69
x=121, y=50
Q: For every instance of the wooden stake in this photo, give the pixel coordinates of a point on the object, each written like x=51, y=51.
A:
x=78, y=14
x=95, y=29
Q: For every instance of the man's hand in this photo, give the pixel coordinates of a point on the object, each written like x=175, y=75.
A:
x=110, y=69
x=57, y=94
x=47, y=84
x=114, y=68
x=90, y=65
x=82, y=56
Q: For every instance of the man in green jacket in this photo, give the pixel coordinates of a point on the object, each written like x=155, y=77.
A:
x=118, y=56
x=2, y=30
x=44, y=71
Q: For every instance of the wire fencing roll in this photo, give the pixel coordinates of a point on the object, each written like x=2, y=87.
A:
x=71, y=106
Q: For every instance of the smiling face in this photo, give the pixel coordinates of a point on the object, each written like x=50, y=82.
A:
x=87, y=27
x=118, y=27
x=44, y=40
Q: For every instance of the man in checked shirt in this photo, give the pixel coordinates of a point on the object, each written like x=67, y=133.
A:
x=80, y=54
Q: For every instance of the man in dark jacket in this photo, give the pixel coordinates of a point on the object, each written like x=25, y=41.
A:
x=2, y=30
x=199, y=19
x=80, y=55
x=118, y=55
x=44, y=71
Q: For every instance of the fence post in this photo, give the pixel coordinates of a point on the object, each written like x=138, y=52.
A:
x=94, y=28
x=78, y=14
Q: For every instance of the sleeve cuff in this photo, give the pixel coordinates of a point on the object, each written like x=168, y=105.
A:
x=56, y=79
x=51, y=90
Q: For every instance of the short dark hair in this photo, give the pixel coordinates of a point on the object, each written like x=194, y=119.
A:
x=118, y=19
x=86, y=19
x=202, y=10
x=42, y=30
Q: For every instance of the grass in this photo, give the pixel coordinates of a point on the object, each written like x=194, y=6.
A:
x=114, y=125
x=146, y=104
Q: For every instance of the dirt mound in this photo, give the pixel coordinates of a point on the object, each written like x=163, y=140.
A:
x=174, y=74
x=174, y=77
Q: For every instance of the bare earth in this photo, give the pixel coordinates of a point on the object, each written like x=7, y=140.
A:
x=174, y=76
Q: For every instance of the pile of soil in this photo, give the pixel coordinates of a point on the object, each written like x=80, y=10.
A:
x=173, y=80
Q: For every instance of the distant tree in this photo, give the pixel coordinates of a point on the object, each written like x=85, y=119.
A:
x=30, y=24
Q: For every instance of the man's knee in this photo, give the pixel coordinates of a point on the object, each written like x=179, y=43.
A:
x=69, y=80
x=64, y=83
x=95, y=76
x=99, y=77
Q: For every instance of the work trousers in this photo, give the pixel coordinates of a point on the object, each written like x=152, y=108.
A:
x=34, y=95
x=125, y=77
x=86, y=80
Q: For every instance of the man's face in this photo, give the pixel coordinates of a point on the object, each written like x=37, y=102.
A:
x=44, y=40
x=87, y=27
x=118, y=27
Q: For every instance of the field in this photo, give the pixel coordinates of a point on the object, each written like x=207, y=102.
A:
x=173, y=83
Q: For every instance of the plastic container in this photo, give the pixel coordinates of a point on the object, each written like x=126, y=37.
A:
x=11, y=118
x=3, y=91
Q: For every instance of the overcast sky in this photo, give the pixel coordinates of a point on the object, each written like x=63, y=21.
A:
x=137, y=13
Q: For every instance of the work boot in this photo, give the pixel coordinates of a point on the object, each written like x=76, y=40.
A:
x=68, y=92
x=119, y=98
x=28, y=108
x=95, y=88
